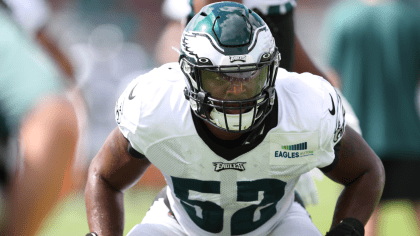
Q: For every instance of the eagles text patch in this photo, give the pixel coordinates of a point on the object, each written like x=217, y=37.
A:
x=293, y=148
x=219, y=166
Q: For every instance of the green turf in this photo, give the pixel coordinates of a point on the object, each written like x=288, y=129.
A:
x=69, y=217
x=398, y=217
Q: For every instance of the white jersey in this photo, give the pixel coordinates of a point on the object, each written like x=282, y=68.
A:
x=250, y=194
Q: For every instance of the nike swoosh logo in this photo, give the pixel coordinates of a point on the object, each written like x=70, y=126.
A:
x=332, y=112
x=130, y=96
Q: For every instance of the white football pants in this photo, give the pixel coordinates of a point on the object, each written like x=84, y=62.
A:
x=158, y=222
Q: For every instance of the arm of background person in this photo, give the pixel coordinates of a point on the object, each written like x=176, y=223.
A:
x=304, y=64
x=33, y=16
x=361, y=171
x=169, y=38
x=176, y=12
x=56, y=53
x=48, y=135
x=111, y=172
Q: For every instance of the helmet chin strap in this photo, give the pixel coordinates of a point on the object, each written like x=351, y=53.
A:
x=218, y=118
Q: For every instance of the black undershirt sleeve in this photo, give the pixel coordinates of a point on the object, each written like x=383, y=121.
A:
x=133, y=152
x=331, y=166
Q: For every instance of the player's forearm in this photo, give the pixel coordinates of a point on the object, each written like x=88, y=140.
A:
x=359, y=199
x=111, y=172
x=104, y=206
x=54, y=51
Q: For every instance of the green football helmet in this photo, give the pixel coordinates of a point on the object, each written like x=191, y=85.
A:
x=230, y=62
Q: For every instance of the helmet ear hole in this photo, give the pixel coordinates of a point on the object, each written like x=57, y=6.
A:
x=185, y=66
x=266, y=57
x=188, y=71
x=203, y=61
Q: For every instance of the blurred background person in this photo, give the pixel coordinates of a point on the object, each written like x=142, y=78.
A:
x=100, y=43
x=105, y=41
x=33, y=17
x=167, y=47
x=38, y=130
x=374, y=50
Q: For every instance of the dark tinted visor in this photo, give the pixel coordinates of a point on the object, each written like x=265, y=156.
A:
x=234, y=86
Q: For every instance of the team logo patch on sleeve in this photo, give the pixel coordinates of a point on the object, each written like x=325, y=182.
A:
x=340, y=120
x=339, y=131
x=118, y=111
x=332, y=112
x=219, y=166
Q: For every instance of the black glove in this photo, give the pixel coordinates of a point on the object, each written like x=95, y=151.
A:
x=348, y=227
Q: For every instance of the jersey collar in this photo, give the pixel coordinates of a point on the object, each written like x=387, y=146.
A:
x=231, y=149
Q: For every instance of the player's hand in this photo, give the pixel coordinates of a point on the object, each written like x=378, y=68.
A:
x=348, y=227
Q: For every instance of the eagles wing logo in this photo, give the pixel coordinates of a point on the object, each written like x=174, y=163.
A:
x=340, y=125
x=202, y=44
x=118, y=112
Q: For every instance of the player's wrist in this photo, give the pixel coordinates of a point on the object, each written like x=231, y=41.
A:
x=348, y=227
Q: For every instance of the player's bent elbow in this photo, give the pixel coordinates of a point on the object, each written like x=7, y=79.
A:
x=380, y=173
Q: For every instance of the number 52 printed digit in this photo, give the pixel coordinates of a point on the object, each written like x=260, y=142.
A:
x=208, y=215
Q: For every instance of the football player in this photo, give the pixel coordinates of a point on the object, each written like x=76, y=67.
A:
x=232, y=133
x=278, y=15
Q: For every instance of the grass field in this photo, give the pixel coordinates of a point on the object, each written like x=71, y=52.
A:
x=69, y=217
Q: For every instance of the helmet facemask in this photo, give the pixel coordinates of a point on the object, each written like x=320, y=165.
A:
x=235, y=99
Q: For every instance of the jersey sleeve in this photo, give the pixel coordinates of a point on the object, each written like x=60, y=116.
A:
x=141, y=108
x=332, y=125
x=127, y=114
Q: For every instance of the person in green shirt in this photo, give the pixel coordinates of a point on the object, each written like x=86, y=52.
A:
x=35, y=114
x=374, y=49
